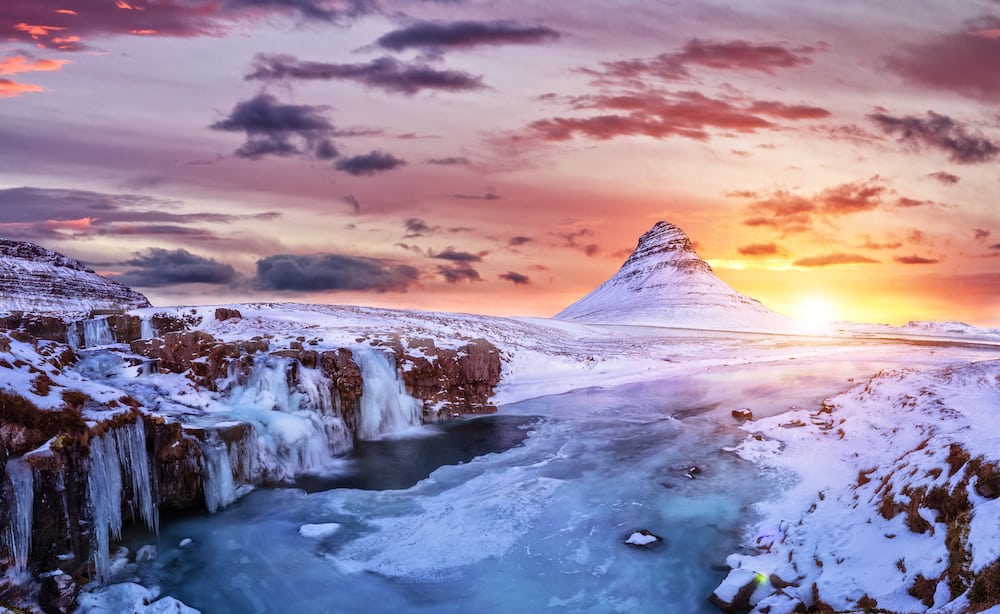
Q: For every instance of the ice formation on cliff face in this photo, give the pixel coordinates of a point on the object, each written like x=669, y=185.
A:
x=665, y=283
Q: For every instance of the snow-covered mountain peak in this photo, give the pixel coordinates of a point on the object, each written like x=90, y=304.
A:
x=38, y=280
x=664, y=282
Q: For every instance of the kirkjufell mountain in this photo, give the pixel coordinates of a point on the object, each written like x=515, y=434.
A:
x=37, y=280
x=665, y=283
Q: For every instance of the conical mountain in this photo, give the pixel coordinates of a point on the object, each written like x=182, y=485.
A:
x=665, y=283
x=36, y=280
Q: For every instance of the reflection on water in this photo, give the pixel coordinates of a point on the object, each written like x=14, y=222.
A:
x=401, y=462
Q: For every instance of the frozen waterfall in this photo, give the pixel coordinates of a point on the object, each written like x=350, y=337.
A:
x=17, y=537
x=118, y=454
x=89, y=333
x=385, y=405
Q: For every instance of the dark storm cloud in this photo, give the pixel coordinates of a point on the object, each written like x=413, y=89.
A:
x=519, y=240
x=160, y=267
x=458, y=273
x=914, y=259
x=736, y=55
x=322, y=272
x=940, y=132
x=450, y=253
x=387, y=74
x=274, y=128
x=371, y=163
x=451, y=161
x=437, y=35
x=944, y=178
x=416, y=227
x=516, y=278
x=833, y=259
x=963, y=61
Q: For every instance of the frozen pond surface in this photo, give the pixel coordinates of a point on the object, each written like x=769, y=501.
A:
x=538, y=523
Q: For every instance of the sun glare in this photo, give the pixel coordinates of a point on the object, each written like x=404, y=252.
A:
x=816, y=313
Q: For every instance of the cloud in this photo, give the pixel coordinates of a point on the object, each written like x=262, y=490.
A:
x=963, y=61
x=437, y=36
x=761, y=249
x=903, y=201
x=944, y=178
x=449, y=253
x=355, y=204
x=487, y=196
x=332, y=272
x=457, y=273
x=334, y=12
x=572, y=238
x=416, y=227
x=981, y=234
x=736, y=55
x=274, y=128
x=793, y=213
x=371, y=163
x=452, y=161
x=10, y=89
x=387, y=74
x=516, y=278
x=869, y=244
x=834, y=260
x=659, y=115
x=937, y=131
x=914, y=259
x=519, y=240
x=160, y=267
x=20, y=63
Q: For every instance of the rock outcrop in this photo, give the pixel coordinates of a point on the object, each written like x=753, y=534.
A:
x=36, y=280
x=665, y=283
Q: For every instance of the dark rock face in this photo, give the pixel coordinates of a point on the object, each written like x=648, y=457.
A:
x=38, y=326
x=125, y=328
x=456, y=381
x=200, y=355
x=339, y=366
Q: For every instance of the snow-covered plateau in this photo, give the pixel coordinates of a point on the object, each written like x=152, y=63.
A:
x=268, y=457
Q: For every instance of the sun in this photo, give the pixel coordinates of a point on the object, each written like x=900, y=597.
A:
x=816, y=314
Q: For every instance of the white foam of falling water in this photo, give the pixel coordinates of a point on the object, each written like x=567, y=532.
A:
x=118, y=453
x=73, y=335
x=385, y=405
x=146, y=329
x=97, y=332
x=219, y=483
x=18, y=535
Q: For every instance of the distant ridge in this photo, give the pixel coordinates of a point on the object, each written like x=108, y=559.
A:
x=665, y=283
x=37, y=280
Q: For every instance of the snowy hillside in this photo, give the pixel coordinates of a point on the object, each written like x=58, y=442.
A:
x=665, y=283
x=34, y=279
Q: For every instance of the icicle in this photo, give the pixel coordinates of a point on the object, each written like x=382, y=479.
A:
x=97, y=332
x=18, y=534
x=385, y=405
x=146, y=328
x=119, y=451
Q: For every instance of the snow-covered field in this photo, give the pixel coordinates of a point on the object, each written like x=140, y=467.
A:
x=624, y=413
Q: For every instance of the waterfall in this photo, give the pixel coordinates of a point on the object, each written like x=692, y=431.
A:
x=118, y=453
x=219, y=482
x=385, y=405
x=17, y=537
x=97, y=332
x=73, y=335
x=146, y=328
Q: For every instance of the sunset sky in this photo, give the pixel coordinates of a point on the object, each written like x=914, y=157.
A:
x=503, y=157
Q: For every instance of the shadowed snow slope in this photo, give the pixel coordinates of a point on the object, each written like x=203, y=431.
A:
x=665, y=283
x=38, y=280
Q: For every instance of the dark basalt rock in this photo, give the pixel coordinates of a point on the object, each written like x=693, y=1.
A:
x=457, y=381
x=224, y=313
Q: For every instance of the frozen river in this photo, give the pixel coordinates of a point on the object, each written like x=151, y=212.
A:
x=524, y=511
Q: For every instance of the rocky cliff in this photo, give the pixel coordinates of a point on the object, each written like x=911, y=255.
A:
x=665, y=283
x=36, y=280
